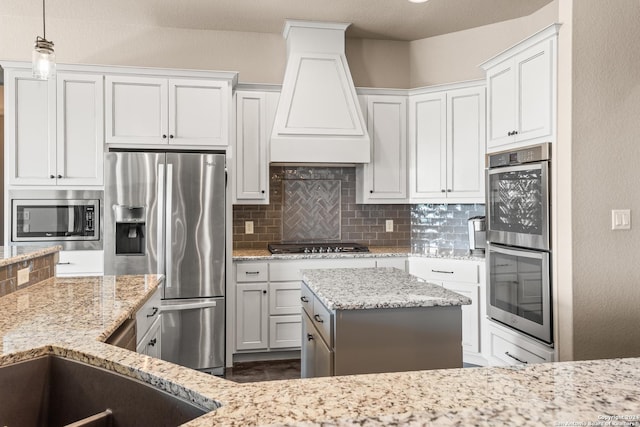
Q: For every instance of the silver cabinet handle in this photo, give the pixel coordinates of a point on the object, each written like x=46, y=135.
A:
x=317, y=318
x=441, y=271
x=515, y=358
x=304, y=299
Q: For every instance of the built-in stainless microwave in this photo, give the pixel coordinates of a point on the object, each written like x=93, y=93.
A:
x=69, y=218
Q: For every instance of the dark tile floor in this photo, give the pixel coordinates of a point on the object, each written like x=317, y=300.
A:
x=263, y=371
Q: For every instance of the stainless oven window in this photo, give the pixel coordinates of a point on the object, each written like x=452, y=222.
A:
x=519, y=290
x=517, y=206
x=47, y=221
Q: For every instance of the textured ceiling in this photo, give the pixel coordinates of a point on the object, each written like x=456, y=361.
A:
x=379, y=19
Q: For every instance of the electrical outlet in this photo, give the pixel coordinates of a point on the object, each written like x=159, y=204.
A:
x=23, y=276
x=388, y=226
x=248, y=227
x=621, y=219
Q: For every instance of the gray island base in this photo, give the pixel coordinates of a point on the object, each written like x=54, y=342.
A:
x=374, y=320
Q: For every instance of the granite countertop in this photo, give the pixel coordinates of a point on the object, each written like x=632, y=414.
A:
x=13, y=254
x=369, y=288
x=374, y=252
x=70, y=317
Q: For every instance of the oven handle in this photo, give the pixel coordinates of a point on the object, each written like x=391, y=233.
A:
x=516, y=168
x=519, y=252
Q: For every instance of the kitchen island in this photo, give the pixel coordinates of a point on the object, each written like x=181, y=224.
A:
x=371, y=320
x=71, y=317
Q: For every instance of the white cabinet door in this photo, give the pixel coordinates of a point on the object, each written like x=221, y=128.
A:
x=136, y=110
x=428, y=146
x=252, y=135
x=466, y=144
x=501, y=115
x=30, y=128
x=252, y=316
x=80, y=134
x=198, y=112
x=447, y=145
x=284, y=298
x=384, y=179
x=535, y=91
x=470, y=315
x=285, y=331
x=150, y=344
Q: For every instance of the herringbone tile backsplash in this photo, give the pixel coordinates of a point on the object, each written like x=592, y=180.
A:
x=336, y=218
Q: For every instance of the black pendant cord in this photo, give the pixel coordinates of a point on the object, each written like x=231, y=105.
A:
x=44, y=23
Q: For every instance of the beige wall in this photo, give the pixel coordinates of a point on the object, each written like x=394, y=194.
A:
x=455, y=57
x=605, y=154
x=258, y=57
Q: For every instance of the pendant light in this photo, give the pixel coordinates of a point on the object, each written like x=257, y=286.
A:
x=43, y=57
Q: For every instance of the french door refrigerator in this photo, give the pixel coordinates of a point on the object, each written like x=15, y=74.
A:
x=165, y=213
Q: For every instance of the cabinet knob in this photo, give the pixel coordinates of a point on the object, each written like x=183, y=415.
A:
x=170, y=136
x=515, y=132
x=262, y=191
x=52, y=176
x=318, y=318
x=59, y=176
x=443, y=191
x=449, y=190
x=371, y=191
x=164, y=136
x=309, y=337
x=264, y=291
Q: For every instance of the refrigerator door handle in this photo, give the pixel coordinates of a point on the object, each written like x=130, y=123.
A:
x=168, y=222
x=160, y=244
x=187, y=306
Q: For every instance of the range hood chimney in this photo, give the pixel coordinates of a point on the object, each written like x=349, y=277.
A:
x=318, y=119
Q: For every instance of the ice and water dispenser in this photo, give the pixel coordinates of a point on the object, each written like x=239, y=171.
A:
x=130, y=230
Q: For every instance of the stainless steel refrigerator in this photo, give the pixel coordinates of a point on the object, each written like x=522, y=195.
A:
x=165, y=213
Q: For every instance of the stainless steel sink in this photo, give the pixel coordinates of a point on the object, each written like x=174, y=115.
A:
x=54, y=391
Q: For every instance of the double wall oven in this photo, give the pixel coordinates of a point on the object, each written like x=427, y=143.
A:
x=518, y=235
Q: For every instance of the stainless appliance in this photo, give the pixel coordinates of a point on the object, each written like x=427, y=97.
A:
x=313, y=248
x=71, y=218
x=518, y=250
x=477, y=234
x=165, y=213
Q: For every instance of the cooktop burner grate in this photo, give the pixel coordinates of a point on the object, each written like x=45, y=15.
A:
x=316, y=248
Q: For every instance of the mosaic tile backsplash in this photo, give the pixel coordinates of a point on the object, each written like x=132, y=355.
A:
x=292, y=215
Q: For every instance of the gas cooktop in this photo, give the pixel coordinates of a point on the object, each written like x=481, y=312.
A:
x=316, y=248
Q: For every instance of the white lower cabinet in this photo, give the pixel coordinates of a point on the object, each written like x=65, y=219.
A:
x=148, y=326
x=508, y=347
x=251, y=316
x=151, y=342
x=80, y=263
x=465, y=277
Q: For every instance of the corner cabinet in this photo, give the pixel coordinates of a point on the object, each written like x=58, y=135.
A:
x=384, y=179
x=174, y=111
x=255, y=112
x=447, y=145
x=54, y=129
x=521, y=92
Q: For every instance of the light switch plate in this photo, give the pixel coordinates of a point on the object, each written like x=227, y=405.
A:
x=23, y=276
x=621, y=219
x=248, y=227
x=389, y=226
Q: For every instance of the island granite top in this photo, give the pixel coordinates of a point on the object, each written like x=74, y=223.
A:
x=13, y=254
x=370, y=288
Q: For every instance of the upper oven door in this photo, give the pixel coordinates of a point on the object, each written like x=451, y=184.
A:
x=518, y=205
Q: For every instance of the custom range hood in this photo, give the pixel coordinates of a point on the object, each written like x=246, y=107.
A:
x=318, y=119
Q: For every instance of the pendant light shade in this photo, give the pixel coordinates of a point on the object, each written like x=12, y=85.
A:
x=43, y=57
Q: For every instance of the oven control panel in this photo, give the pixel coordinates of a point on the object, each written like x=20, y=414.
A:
x=535, y=153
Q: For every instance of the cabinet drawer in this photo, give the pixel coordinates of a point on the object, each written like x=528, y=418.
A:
x=516, y=350
x=445, y=270
x=148, y=313
x=306, y=297
x=85, y=263
x=285, y=331
x=252, y=272
x=284, y=298
x=322, y=319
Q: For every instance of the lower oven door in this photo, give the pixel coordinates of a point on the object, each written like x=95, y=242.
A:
x=519, y=287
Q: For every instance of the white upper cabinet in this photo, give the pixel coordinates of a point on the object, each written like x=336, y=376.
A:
x=177, y=111
x=384, y=179
x=447, y=146
x=521, y=91
x=254, y=118
x=54, y=129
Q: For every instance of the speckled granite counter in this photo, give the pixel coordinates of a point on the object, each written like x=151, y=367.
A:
x=366, y=288
x=14, y=254
x=68, y=317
